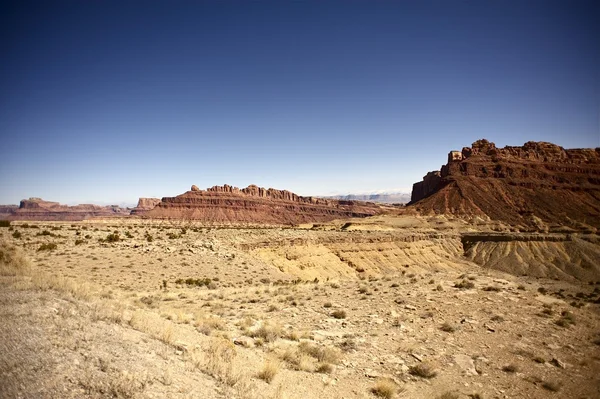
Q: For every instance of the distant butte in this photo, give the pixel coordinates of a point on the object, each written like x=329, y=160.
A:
x=256, y=205
x=38, y=209
x=538, y=181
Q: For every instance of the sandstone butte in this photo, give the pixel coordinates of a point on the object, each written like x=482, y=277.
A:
x=38, y=209
x=144, y=205
x=536, y=184
x=256, y=205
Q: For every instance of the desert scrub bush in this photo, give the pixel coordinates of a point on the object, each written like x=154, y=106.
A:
x=464, y=285
x=45, y=233
x=492, y=288
x=347, y=345
x=12, y=261
x=269, y=371
x=322, y=354
x=327, y=305
x=510, y=368
x=297, y=360
x=423, y=370
x=79, y=242
x=208, y=324
x=447, y=327
x=338, y=314
x=112, y=237
x=195, y=282
x=17, y=234
x=47, y=247
x=551, y=386
x=4, y=223
x=384, y=388
x=566, y=320
x=219, y=360
x=448, y=395
x=268, y=332
x=324, y=368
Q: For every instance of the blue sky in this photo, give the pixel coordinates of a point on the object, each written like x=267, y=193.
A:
x=110, y=101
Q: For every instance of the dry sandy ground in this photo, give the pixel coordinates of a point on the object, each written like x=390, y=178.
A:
x=384, y=307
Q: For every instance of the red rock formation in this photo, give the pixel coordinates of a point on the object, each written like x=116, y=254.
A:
x=7, y=210
x=512, y=184
x=38, y=209
x=253, y=204
x=144, y=205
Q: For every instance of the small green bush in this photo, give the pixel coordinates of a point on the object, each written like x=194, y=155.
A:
x=17, y=234
x=4, y=223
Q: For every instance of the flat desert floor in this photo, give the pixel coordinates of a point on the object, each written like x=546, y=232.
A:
x=132, y=308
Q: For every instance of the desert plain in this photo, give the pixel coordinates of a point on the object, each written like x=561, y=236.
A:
x=389, y=306
x=487, y=285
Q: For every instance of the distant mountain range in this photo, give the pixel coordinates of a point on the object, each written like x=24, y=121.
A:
x=387, y=198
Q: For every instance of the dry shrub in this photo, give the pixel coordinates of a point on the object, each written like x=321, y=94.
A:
x=208, y=324
x=269, y=370
x=298, y=361
x=325, y=368
x=510, y=368
x=338, y=314
x=128, y=385
x=267, y=331
x=322, y=354
x=219, y=360
x=13, y=262
x=448, y=395
x=447, y=327
x=551, y=386
x=423, y=370
x=384, y=388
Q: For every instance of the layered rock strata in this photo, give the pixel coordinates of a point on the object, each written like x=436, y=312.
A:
x=144, y=205
x=537, y=183
x=38, y=209
x=256, y=205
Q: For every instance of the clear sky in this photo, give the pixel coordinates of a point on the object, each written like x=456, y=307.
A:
x=108, y=101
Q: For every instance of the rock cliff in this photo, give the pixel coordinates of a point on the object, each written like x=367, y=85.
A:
x=520, y=185
x=144, y=205
x=253, y=204
x=38, y=209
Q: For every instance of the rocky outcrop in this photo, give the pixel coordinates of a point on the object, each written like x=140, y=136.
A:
x=256, y=205
x=144, y=205
x=520, y=185
x=391, y=198
x=7, y=210
x=38, y=209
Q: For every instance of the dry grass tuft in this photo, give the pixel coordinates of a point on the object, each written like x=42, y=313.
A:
x=267, y=331
x=269, y=370
x=384, y=388
x=423, y=370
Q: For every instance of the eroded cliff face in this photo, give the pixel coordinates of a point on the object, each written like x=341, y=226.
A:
x=38, y=209
x=144, y=205
x=523, y=185
x=253, y=204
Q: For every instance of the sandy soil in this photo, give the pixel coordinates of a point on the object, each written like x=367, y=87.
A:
x=387, y=307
